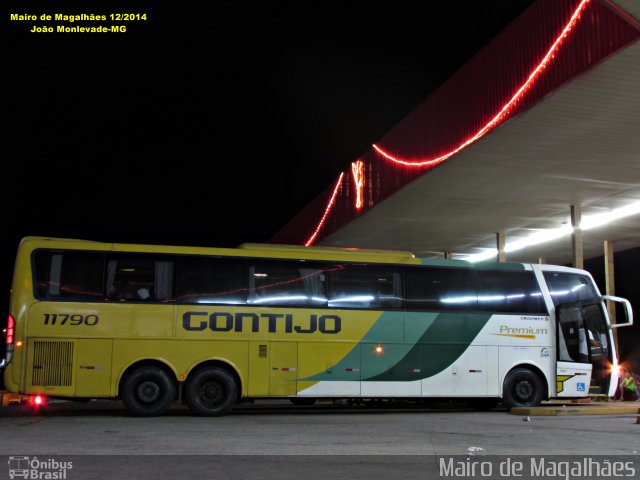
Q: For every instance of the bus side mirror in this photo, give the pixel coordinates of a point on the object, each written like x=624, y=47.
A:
x=627, y=310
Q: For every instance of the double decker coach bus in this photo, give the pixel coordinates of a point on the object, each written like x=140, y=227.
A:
x=155, y=324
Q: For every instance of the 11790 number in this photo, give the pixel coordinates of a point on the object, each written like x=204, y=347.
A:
x=75, y=319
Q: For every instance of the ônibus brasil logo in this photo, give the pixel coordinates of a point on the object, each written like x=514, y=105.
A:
x=40, y=469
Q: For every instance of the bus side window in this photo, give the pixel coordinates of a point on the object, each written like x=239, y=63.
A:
x=438, y=288
x=287, y=284
x=211, y=280
x=68, y=275
x=365, y=286
x=509, y=292
x=139, y=278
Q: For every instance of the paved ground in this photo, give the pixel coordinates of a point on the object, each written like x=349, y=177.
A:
x=277, y=428
x=385, y=437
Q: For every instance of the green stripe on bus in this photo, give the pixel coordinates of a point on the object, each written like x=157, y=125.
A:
x=381, y=333
x=439, y=347
x=433, y=341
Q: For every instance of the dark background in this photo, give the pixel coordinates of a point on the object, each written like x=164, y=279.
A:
x=212, y=123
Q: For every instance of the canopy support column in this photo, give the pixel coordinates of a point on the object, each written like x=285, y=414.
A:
x=500, y=241
x=577, y=245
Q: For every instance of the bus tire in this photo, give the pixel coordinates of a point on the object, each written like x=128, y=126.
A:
x=147, y=391
x=211, y=392
x=522, y=388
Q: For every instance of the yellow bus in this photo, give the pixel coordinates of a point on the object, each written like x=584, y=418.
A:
x=210, y=327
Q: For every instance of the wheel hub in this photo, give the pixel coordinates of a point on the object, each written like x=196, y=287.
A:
x=523, y=390
x=148, y=391
x=211, y=393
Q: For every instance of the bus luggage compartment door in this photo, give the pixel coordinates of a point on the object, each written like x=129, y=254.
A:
x=93, y=374
x=283, y=368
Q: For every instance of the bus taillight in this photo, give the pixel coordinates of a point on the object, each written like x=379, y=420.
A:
x=11, y=330
x=10, y=333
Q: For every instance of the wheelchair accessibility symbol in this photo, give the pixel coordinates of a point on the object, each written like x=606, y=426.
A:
x=581, y=387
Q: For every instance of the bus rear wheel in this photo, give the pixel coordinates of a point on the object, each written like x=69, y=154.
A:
x=522, y=388
x=147, y=391
x=211, y=392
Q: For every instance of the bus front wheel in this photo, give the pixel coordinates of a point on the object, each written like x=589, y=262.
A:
x=211, y=392
x=147, y=391
x=522, y=388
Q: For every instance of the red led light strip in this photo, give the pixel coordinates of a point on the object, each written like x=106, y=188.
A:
x=357, y=170
x=312, y=238
x=504, y=112
x=496, y=120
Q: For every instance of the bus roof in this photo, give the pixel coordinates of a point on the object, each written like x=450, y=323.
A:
x=259, y=250
x=244, y=250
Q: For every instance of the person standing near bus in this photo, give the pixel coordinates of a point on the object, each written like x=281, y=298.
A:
x=627, y=387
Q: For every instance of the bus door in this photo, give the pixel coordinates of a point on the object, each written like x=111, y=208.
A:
x=574, y=370
x=283, y=368
x=599, y=348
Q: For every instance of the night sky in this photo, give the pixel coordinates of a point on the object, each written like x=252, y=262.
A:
x=211, y=123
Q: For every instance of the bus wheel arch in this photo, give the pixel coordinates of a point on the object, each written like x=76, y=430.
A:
x=212, y=388
x=524, y=386
x=147, y=388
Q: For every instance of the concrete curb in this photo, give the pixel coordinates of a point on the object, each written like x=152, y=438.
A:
x=576, y=409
